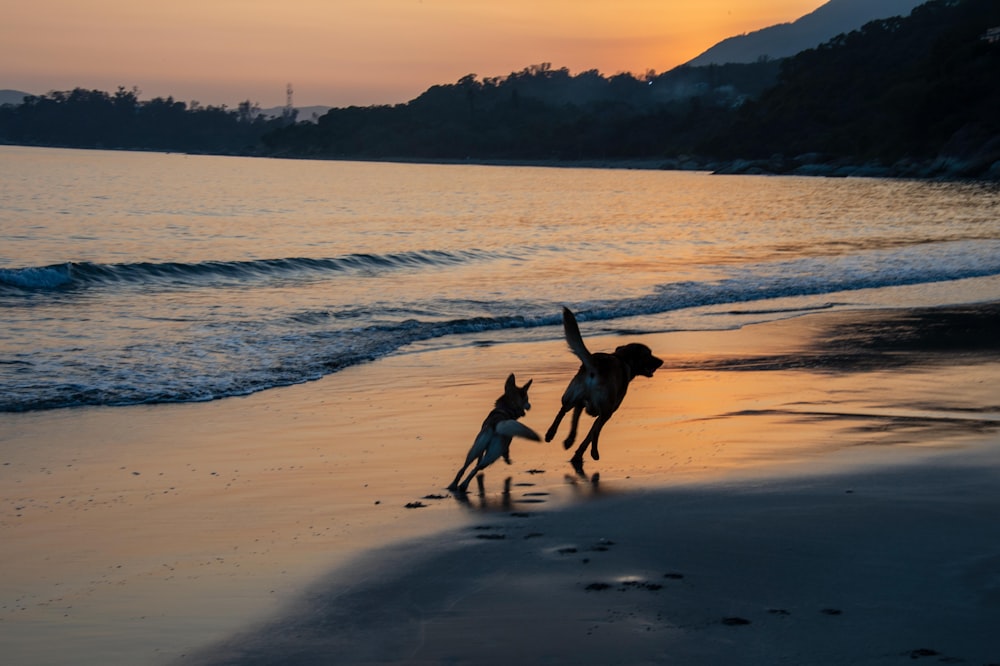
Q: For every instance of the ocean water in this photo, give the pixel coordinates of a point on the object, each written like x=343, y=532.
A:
x=131, y=278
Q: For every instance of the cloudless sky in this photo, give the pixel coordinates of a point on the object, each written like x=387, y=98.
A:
x=342, y=52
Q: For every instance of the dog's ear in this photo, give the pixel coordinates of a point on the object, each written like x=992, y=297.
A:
x=510, y=383
x=525, y=387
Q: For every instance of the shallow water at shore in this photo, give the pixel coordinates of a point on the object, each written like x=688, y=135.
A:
x=140, y=278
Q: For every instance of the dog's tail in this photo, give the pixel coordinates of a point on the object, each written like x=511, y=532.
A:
x=575, y=340
x=512, y=428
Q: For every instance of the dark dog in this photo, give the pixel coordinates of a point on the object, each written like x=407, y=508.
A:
x=500, y=426
x=599, y=385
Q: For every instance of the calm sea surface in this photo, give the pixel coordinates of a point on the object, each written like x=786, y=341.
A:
x=141, y=277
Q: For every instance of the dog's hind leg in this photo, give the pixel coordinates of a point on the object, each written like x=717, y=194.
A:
x=574, y=425
x=487, y=458
x=595, y=433
x=591, y=441
x=474, y=455
x=464, y=486
x=454, y=484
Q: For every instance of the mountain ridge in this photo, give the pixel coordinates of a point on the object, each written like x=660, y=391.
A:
x=14, y=97
x=787, y=39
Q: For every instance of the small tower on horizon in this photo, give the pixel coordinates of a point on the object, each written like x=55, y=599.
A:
x=288, y=113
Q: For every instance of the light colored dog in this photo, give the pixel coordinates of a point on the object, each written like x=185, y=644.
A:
x=500, y=426
x=599, y=385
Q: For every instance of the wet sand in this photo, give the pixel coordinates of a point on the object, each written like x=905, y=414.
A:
x=817, y=490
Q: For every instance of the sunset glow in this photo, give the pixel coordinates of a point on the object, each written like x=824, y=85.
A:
x=351, y=51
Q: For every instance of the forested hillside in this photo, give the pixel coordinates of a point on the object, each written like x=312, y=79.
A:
x=538, y=113
x=913, y=89
x=914, y=96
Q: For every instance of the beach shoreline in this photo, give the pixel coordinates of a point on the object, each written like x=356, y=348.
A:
x=157, y=534
x=937, y=169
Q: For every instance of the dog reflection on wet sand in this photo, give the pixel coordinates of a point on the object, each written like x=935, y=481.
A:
x=484, y=502
x=523, y=498
x=501, y=425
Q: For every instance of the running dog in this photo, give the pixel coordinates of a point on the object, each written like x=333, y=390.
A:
x=599, y=386
x=500, y=426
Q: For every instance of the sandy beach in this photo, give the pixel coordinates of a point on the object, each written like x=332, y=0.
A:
x=819, y=490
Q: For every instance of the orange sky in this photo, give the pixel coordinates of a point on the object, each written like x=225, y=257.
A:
x=341, y=52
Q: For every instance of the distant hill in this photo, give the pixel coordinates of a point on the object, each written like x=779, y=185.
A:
x=787, y=39
x=14, y=97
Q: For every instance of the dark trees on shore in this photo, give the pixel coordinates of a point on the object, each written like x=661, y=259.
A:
x=95, y=119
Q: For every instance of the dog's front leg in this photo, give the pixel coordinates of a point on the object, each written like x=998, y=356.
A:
x=551, y=432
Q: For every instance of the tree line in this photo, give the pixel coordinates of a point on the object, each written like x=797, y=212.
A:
x=909, y=90
x=83, y=118
x=539, y=113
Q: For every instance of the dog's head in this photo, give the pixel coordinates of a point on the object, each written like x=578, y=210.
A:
x=515, y=397
x=640, y=358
